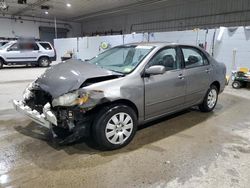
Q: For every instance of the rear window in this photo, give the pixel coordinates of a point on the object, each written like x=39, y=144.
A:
x=45, y=45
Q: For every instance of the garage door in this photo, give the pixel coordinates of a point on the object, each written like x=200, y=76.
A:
x=48, y=33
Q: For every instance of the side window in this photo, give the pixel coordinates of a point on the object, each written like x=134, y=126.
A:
x=14, y=47
x=28, y=46
x=193, y=57
x=167, y=58
x=45, y=45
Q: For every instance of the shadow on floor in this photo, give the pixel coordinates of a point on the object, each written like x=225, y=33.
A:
x=146, y=134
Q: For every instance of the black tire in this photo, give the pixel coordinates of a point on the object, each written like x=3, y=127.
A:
x=207, y=105
x=44, y=62
x=1, y=63
x=100, y=126
x=236, y=85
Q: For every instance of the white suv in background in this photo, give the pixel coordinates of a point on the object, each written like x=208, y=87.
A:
x=27, y=52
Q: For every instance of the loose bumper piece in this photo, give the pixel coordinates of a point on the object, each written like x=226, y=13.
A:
x=45, y=119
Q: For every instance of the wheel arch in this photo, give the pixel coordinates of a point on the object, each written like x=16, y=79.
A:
x=121, y=102
x=43, y=56
x=216, y=84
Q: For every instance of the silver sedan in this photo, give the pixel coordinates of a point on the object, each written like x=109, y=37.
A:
x=110, y=95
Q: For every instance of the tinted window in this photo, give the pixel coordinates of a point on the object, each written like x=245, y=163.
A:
x=193, y=57
x=45, y=45
x=167, y=58
x=28, y=46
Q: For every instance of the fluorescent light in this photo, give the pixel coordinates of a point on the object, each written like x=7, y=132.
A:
x=46, y=12
x=68, y=5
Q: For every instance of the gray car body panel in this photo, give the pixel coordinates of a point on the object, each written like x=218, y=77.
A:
x=144, y=92
x=69, y=76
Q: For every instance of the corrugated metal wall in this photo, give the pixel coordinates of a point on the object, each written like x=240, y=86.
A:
x=175, y=15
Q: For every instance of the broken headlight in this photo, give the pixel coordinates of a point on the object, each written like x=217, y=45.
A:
x=85, y=99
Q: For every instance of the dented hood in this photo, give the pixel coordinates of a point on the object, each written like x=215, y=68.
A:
x=68, y=76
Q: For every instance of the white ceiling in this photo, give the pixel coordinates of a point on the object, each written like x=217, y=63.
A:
x=79, y=10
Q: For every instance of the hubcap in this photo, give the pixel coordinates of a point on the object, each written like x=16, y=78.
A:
x=236, y=84
x=212, y=98
x=44, y=62
x=119, y=128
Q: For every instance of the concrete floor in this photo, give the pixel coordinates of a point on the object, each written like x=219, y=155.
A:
x=189, y=149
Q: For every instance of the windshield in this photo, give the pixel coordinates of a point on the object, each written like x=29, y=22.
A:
x=122, y=59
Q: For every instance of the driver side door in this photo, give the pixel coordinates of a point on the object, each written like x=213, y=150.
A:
x=165, y=93
x=13, y=53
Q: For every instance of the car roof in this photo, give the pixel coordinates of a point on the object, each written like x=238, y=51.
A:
x=161, y=44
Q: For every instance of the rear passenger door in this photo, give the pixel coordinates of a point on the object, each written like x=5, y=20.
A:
x=197, y=74
x=30, y=51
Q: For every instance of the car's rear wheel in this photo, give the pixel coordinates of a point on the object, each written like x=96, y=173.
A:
x=44, y=62
x=210, y=100
x=1, y=63
x=236, y=85
x=114, y=126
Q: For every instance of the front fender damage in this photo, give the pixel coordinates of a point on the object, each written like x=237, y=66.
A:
x=77, y=120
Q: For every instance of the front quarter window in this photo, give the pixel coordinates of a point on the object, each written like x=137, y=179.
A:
x=122, y=59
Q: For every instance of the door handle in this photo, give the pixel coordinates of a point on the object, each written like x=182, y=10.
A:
x=181, y=76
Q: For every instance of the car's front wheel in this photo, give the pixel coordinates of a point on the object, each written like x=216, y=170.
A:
x=210, y=100
x=114, y=126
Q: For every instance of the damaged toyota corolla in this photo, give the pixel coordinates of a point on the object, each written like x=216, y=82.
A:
x=125, y=86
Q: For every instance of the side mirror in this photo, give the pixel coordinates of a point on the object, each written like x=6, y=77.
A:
x=155, y=70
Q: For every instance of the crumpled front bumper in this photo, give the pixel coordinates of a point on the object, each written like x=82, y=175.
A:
x=46, y=119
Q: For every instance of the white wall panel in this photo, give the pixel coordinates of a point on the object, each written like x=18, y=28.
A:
x=239, y=40
x=62, y=46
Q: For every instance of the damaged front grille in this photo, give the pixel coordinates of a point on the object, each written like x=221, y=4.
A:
x=38, y=99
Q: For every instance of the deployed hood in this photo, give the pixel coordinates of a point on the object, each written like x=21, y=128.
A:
x=68, y=76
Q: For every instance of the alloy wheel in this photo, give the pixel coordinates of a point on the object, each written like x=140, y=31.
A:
x=44, y=62
x=119, y=128
x=212, y=98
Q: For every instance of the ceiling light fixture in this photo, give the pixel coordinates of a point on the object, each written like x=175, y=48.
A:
x=68, y=5
x=46, y=12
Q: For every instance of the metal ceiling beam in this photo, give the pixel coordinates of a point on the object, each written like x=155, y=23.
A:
x=30, y=7
x=117, y=10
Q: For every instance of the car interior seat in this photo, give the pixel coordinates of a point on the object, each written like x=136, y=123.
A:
x=192, y=60
x=168, y=62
